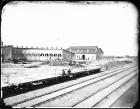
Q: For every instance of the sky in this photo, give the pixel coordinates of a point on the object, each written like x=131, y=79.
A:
x=111, y=26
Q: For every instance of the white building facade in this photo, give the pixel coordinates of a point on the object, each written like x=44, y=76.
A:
x=43, y=54
x=35, y=54
x=86, y=52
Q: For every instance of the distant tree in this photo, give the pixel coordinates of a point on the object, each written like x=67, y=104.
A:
x=127, y=56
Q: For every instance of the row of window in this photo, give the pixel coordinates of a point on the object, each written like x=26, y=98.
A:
x=52, y=55
x=80, y=57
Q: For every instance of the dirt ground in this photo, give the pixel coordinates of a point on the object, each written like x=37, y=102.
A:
x=18, y=73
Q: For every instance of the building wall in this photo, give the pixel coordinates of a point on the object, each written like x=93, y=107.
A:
x=99, y=56
x=36, y=54
x=18, y=54
x=41, y=54
x=6, y=53
x=68, y=55
x=86, y=52
x=87, y=56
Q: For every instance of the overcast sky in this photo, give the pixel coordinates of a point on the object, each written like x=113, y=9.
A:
x=110, y=26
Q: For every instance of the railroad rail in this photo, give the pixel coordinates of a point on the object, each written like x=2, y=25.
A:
x=122, y=75
x=105, y=92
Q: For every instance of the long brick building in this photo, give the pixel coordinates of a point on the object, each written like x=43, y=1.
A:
x=35, y=54
x=43, y=54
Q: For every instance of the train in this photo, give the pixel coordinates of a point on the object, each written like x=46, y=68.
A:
x=69, y=74
x=85, y=70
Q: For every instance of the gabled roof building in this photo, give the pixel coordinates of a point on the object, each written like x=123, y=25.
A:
x=43, y=54
x=86, y=52
x=34, y=54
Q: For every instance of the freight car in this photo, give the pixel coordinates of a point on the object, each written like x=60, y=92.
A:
x=80, y=71
x=37, y=84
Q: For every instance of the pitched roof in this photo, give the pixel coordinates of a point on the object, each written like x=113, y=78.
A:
x=83, y=49
x=100, y=51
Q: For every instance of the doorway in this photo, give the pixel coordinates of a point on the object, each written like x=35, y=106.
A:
x=83, y=57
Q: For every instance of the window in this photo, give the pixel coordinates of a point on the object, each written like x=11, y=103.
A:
x=59, y=55
x=51, y=54
x=55, y=54
x=46, y=54
x=41, y=54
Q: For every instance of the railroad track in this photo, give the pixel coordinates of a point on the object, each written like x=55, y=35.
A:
x=38, y=100
x=95, y=99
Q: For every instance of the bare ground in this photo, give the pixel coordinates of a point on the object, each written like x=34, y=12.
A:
x=17, y=73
